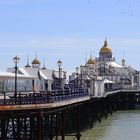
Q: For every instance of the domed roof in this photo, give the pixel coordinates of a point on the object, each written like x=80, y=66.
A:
x=123, y=60
x=105, y=48
x=36, y=61
x=91, y=61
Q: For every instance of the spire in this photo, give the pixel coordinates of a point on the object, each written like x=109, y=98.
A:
x=91, y=60
x=123, y=60
x=35, y=55
x=27, y=61
x=105, y=42
x=36, y=63
x=86, y=57
x=123, y=54
x=105, y=48
x=91, y=55
x=44, y=66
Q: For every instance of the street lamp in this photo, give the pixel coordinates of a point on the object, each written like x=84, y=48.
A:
x=77, y=69
x=16, y=60
x=59, y=62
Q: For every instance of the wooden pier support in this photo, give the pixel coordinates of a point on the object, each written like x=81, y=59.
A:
x=51, y=126
x=31, y=127
x=18, y=125
x=78, y=135
x=56, y=126
x=63, y=125
x=3, y=129
x=40, y=126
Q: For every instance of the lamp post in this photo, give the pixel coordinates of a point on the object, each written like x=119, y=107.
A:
x=77, y=69
x=59, y=62
x=16, y=60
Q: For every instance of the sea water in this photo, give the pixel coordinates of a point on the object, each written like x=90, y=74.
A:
x=121, y=125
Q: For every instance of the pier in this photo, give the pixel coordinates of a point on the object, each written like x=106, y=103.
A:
x=54, y=115
x=38, y=104
x=59, y=76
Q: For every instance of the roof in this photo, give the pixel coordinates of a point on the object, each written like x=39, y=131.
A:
x=114, y=64
x=123, y=60
x=36, y=61
x=42, y=75
x=105, y=48
x=23, y=71
x=9, y=75
x=32, y=71
x=90, y=61
x=46, y=74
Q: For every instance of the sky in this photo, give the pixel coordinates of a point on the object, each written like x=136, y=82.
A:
x=69, y=30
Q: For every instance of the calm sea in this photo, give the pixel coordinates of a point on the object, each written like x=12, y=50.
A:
x=122, y=125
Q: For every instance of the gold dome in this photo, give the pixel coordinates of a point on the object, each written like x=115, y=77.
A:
x=90, y=61
x=105, y=48
x=36, y=61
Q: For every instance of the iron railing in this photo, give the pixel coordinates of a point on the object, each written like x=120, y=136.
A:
x=42, y=97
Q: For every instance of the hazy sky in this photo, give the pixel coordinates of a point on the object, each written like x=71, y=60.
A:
x=68, y=29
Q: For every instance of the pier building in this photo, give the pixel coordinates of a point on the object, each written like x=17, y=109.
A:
x=105, y=68
x=7, y=81
x=37, y=78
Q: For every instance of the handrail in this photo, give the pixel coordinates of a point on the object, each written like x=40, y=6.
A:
x=121, y=88
x=41, y=98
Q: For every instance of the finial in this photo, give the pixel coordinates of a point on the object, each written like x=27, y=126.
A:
x=86, y=57
x=123, y=54
x=91, y=55
x=35, y=55
x=44, y=67
x=123, y=60
x=27, y=61
x=105, y=42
